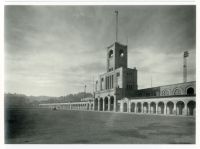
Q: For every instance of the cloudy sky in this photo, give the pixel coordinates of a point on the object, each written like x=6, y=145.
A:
x=56, y=50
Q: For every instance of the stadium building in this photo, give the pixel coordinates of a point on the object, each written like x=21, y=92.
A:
x=116, y=90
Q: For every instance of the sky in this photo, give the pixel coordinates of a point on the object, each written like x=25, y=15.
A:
x=56, y=50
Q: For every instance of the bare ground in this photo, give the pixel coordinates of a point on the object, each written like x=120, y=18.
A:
x=43, y=126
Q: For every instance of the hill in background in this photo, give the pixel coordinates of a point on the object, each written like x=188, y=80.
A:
x=21, y=100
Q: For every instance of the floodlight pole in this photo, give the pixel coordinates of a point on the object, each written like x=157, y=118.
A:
x=116, y=12
x=185, y=55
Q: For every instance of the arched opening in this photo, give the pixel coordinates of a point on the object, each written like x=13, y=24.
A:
x=125, y=107
x=96, y=104
x=170, y=107
x=121, y=53
x=132, y=107
x=91, y=107
x=82, y=107
x=101, y=104
x=111, y=103
x=190, y=91
x=191, y=108
x=111, y=53
x=106, y=103
x=88, y=106
x=179, y=107
x=153, y=107
x=160, y=108
x=118, y=107
x=139, y=107
x=145, y=107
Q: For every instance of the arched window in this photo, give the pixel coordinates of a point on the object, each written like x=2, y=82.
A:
x=111, y=53
x=121, y=53
x=190, y=91
x=102, y=83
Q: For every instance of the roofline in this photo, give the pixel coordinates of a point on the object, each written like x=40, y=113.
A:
x=149, y=97
x=166, y=85
x=117, y=43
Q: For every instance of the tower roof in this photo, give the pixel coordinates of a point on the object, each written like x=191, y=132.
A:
x=118, y=44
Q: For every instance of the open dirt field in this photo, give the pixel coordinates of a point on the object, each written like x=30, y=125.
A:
x=43, y=126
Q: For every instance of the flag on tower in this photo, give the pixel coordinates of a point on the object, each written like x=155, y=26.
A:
x=186, y=54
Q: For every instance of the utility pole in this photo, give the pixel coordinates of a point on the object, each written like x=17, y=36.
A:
x=85, y=91
x=127, y=40
x=185, y=55
x=116, y=12
x=93, y=85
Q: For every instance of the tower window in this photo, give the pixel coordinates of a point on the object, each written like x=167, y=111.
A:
x=111, y=69
x=121, y=53
x=111, y=53
x=118, y=74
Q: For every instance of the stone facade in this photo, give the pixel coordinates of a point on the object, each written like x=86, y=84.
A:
x=119, y=81
x=160, y=105
x=187, y=88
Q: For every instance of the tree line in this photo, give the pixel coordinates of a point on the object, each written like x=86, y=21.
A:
x=20, y=100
